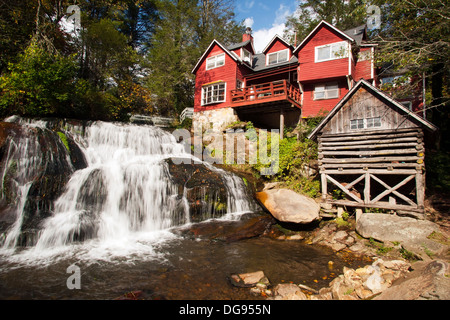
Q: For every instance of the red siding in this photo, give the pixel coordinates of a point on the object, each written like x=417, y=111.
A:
x=226, y=73
x=309, y=70
x=277, y=45
x=312, y=108
x=363, y=69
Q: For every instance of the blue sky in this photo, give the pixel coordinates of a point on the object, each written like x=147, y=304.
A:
x=265, y=17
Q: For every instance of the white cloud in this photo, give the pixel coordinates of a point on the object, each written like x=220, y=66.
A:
x=249, y=22
x=249, y=4
x=281, y=14
x=246, y=6
x=263, y=36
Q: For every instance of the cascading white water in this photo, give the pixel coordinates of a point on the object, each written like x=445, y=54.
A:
x=22, y=164
x=125, y=189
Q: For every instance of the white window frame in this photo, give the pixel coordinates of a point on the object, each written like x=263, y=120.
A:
x=328, y=93
x=216, y=61
x=334, y=48
x=214, y=97
x=244, y=53
x=357, y=124
x=367, y=123
x=277, y=53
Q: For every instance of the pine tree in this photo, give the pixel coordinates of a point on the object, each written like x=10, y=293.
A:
x=184, y=30
x=415, y=37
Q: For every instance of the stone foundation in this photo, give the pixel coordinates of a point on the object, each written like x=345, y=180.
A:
x=217, y=119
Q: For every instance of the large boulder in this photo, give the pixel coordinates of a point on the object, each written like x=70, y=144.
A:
x=250, y=225
x=428, y=281
x=288, y=206
x=413, y=234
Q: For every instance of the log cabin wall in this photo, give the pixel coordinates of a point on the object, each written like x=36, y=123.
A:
x=362, y=106
x=372, y=156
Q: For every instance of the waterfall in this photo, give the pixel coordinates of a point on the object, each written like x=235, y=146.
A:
x=125, y=189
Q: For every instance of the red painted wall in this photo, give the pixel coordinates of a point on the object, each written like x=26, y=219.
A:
x=312, y=108
x=308, y=69
x=226, y=73
x=363, y=68
x=275, y=46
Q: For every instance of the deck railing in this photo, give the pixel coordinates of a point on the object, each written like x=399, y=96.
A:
x=186, y=113
x=271, y=91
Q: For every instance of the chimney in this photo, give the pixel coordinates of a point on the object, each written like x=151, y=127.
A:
x=247, y=35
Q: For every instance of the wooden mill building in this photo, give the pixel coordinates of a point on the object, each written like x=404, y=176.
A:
x=371, y=152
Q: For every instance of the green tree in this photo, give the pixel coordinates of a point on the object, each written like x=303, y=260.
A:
x=184, y=30
x=39, y=84
x=138, y=19
x=415, y=38
x=343, y=14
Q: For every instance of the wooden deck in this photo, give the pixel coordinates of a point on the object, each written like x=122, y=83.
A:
x=265, y=93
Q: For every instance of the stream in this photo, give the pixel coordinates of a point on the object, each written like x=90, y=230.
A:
x=103, y=199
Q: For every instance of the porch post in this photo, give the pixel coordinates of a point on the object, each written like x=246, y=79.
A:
x=281, y=123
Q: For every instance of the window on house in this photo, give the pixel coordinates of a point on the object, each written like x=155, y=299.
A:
x=213, y=93
x=331, y=51
x=367, y=123
x=246, y=56
x=373, y=122
x=357, y=124
x=278, y=57
x=215, y=62
x=326, y=91
x=239, y=84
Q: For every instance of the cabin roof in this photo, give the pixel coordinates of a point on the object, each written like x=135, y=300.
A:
x=376, y=92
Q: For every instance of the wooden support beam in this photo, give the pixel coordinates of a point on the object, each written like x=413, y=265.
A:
x=420, y=189
x=369, y=141
x=386, y=165
x=367, y=195
x=323, y=178
x=351, y=184
x=371, y=159
x=393, y=189
x=381, y=205
x=346, y=191
x=371, y=146
x=371, y=153
x=362, y=137
x=374, y=171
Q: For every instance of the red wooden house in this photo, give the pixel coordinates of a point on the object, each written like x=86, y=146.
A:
x=330, y=63
x=281, y=84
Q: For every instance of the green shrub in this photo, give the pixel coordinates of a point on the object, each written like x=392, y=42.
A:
x=39, y=84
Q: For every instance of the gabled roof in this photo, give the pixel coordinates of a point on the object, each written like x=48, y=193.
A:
x=273, y=40
x=259, y=62
x=227, y=51
x=239, y=45
x=321, y=24
x=358, y=34
x=376, y=92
